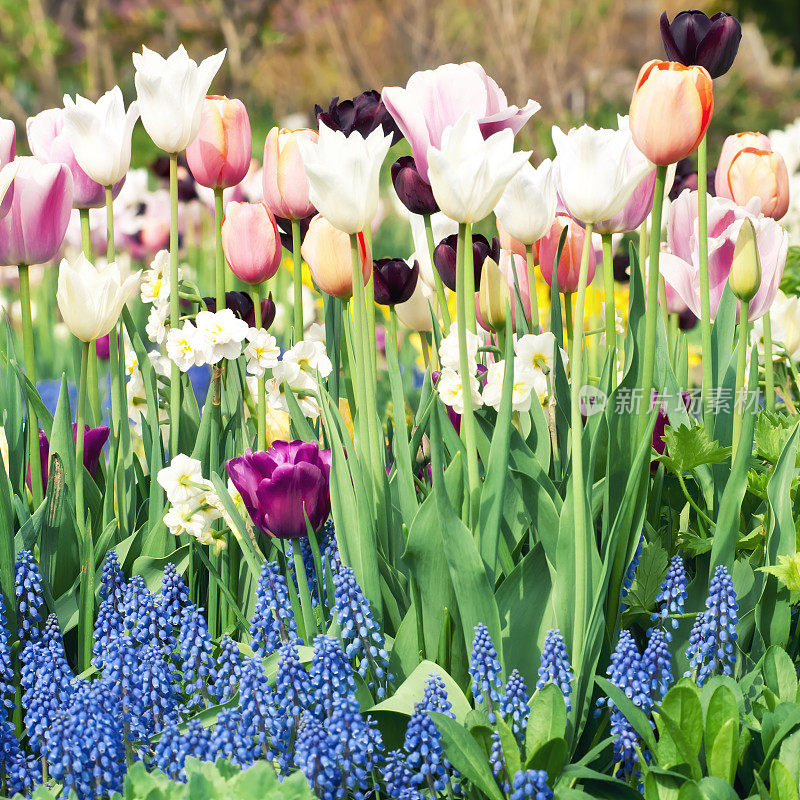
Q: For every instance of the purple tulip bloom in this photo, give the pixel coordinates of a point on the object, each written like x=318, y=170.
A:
x=283, y=485
x=395, y=280
x=93, y=443
x=444, y=257
x=242, y=306
x=364, y=114
x=694, y=39
x=414, y=192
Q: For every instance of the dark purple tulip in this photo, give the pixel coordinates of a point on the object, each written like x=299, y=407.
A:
x=414, y=192
x=285, y=229
x=395, y=280
x=93, y=443
x=364, y=114
x=695, y=40
x=242, y=306
x=662, y=420
x=281, y=486
x=444, y=257
x=686, y=178
x=186, y=184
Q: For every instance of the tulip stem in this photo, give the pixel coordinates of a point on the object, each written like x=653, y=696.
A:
x=533, y=294
x=94, y=391
x=261, y=423
x=463, y=299
x=468, y=259
x=297, y=282
x=651, y=310
x=705, y=302
x=441, y=297
x=739, y=401
x=583, y=531
x=219, y=262
x=611, y=309
x=359, y=368
x=309, y=623
x=769, y=367
x=86, y=598
x=37, y=489
x=174, y=306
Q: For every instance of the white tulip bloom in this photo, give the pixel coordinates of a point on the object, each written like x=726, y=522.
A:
x=90, y=299
x=594, y=175
x=415, y=313
x=343, y=175
x=100, y=134
x=468, y=173
x=527, y=208
x=170, y=92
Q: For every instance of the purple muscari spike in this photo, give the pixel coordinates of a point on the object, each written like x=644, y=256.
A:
x=28, y=589
x=112, y=581
x=174, y=597
x=6, y=670
x=197, y=659
x=434, y=696
x=425, y=756
x=485, y=671
x=229, y=739
x=630, y=573
x=398, y=776
x=261, y=718
x=672, y=597
x=657, y=663
x=292, y=685
x=273, y=621
x=119, y=663
x=515, y=706
x=711, y=642
x=315, y=756
x=20, y=774
x=143, y=617
x=497, y=760
x=554, y=666
x=173, y=747
x=531, y=783
x=331, y=676
x=158, y=691
x=229, y=669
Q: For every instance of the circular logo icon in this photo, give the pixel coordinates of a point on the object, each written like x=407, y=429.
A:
x=591, y=400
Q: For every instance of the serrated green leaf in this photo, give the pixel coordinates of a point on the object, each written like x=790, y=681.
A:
x=691, y=447
x=650, y=573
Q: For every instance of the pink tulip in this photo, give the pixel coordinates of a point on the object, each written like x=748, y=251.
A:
x=436, y=99
x=48, y=142
x=326, y=250
x=220, y=155
x=508, y=242
x=286, y=189
x=569, y=266
x=730, y=147
x=680, y=264
x=8, y=144
x=251, y=242
x=33, y=230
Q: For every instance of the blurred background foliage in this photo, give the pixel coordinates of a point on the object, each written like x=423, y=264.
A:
x=578, y=59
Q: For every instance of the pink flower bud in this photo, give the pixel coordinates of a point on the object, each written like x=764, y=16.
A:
x=251, y=242
x=286, y=190
x=569, y=265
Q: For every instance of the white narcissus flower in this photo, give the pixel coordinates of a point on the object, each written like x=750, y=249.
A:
x=594, y=176
x=262, y=352
x=287, y=376
x=468, y=173
x=785, y=318
x=451, y=390
x=221, y=333
x=181, y=480
x=527, y=208
x=90, y=299
x=185, y=348
x=526, y=381
x=310, y=357
x=449, y=352
x=343, y=175
x=170, y=92
x=315, y=332
x=537, y=351
x=156, y=328
x=155, y=280
x=100, y=134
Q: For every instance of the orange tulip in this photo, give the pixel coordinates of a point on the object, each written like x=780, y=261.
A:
x=569, y=265
x=730, y=147
x=670, y=110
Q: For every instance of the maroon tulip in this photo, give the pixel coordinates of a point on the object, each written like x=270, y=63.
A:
x=694, y=39
x=444, y=257
x=283, y=485
x=394, y=279
x=364, y=114
x=413, y=191
x=93, y=443
x=242, y=305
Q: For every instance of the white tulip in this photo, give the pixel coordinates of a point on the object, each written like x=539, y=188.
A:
x=343, y=175
x=90, y=299
x=468, y=173
x=527, y=208
x=415, y=313
x=594, y=176
x=170, y=93
x=100, y=134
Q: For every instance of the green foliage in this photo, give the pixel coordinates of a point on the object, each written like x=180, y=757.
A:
x=689, y=447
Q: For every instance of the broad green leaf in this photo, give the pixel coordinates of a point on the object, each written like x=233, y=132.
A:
x=723, y=756
x=722, y=707
x=689, y=447
x=779, y=674
x=782, y=786
x=634, y=715
x=548, y=717
x=549, y=756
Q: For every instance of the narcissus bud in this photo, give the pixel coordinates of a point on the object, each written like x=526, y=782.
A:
x=745, y=274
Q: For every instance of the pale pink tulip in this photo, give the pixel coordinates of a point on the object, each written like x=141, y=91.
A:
x=730, y=148
x=570, y=263
x=757, y=173
x=8, y=144
x=286, y=189
x=251, y=242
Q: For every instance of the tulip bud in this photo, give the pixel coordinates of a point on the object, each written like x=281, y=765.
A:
x=745, y=274
x=251, y=242
x=444, y=257
x=286, y=189
x=395, y=280
x=326, y=250
x=695, y=40
x=494, y=297
x=414, y=192
x=757, y=173
x=569, y=265
x=670, y=110
x=220, y=155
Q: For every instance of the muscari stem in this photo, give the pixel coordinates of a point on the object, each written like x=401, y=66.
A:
x=297, y=282
x=739, y=402
x=305, y=595
x=651, y=311
x=769, y=367
x=86, y=591
x=94, y=390
x=261, y=422
x=705, y=302
x=35, y=458
x=174, y=306
x=584, y=534
x=441, y=297
x=533, y=293
x=611, y=311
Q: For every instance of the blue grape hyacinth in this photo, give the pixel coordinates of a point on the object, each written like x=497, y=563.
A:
x=485, y=671
x=28, y=589
x=672, y=596
x=554, y=666
x=273, y=621
x=331, y=676
x=657, y=664
x=515, y=706
x=530, y=783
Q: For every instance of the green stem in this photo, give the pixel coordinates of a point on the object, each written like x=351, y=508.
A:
x=30, y=373
x=468, y=259
x=359, y=367
x=463, y=299
x=534, y=295
x=441, y=297
x=219, y=260
x=643, y=241
x=611, y=311
x=705, y=302
x=297, y=282
x=305, y=595
x=261, y=422
x=583, y=533
x=769, y=366
x=94, y=391
x=651, y=310
x=702, y=514
x=174, y=306
x=738, y=401
x=86, y=592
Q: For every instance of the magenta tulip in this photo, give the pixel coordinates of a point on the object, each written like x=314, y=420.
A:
x=220, y=155
x=251, y=242
x=34, y=228
x=283, y=486
x=48, y=142
x=93, y=443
